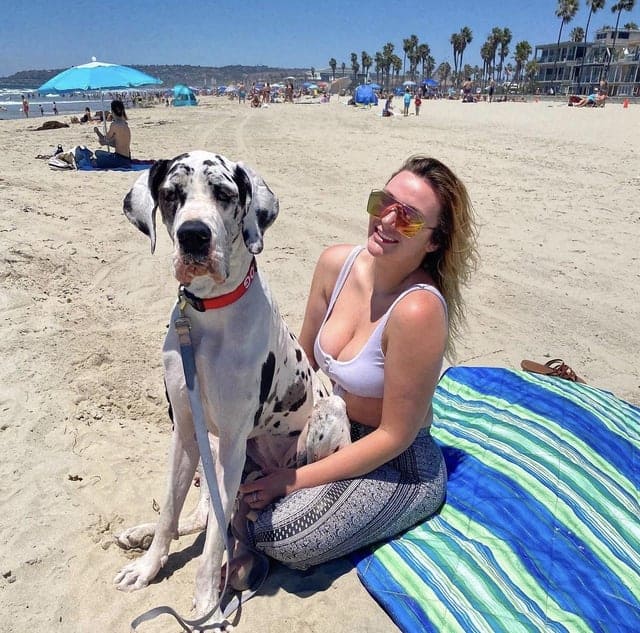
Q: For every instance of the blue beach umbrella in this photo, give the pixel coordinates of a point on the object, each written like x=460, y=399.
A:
x=98, y=76
x=431, y=83
x=375, y=86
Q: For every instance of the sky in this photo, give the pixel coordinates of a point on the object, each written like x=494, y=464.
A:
x=41, y=34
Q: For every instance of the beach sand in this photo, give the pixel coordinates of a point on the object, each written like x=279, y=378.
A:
x=84, y=431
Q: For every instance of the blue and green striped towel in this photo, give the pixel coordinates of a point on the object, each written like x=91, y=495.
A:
x=541, y=527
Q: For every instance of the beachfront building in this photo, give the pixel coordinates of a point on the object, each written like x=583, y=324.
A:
x=577, y=67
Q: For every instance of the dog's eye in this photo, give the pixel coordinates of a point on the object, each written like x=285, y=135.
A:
x=224, y=195
x=167, y=196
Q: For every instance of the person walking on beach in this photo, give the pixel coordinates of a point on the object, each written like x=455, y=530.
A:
x=25, y=106
x=378, y=321
x=41, y=110
x=492, y=89
x=417, y=102
x=118, y=136
x=54, y=105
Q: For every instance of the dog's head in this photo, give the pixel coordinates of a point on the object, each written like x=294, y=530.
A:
x=213, y=209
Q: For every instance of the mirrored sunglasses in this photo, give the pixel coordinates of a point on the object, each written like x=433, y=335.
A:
x=409, y=221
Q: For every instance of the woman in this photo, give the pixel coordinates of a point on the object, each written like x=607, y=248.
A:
x=118, y=136
x=378, y=322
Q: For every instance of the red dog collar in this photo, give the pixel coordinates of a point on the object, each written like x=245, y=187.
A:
x=212, y=303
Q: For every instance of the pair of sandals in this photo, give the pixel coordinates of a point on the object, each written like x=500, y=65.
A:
x=556, y=367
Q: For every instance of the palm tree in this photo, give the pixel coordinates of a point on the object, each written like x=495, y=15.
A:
x=521, y=56
x=531, y=70
x=465, y=37
x=486, y=53
x=503, y=42
x=566, y=11
x=444, y=70
x=630, y=26
x=594, y=5
x=387, y=55
x=409, y=46
x=332, y=64
x=424, y=52
x=379, y=61
x=494, y=38
x=454, y=40
x=396, y=63
x=619, y=7
x=366, y=63
x=577, y=34
x=355, y=66
x=406, y=47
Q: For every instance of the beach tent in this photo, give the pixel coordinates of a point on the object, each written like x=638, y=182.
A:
x=365, y=95
x=183, y=96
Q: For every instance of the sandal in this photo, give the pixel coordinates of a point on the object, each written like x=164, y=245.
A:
x=555, y=367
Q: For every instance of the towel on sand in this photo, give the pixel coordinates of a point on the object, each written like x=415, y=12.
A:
x=540, y=528
x=80, y=158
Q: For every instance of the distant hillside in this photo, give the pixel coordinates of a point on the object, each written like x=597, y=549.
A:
x=196, y=76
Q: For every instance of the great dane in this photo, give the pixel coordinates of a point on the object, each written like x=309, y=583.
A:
x=257, y=387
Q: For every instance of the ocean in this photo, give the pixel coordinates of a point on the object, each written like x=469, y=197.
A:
x=72, y=103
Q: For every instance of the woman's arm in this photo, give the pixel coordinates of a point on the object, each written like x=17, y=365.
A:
x=416, y=334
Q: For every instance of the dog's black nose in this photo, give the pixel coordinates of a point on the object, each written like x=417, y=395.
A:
x=194, y=238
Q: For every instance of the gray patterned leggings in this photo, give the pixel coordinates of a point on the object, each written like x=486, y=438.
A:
x=314, y=525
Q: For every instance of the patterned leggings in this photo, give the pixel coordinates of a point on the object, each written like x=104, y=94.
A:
x=314, y=525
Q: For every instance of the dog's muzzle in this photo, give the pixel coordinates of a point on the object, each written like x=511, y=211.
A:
x=194, y=238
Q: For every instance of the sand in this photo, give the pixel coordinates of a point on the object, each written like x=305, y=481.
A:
x=83, y=427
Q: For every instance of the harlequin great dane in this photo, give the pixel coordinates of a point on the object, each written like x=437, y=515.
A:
x=257, y=387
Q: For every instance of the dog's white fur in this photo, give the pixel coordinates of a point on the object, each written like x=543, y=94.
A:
x=257, y=387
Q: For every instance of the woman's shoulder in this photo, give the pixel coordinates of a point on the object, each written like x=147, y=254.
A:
x=331, y=262
x=418, y=303
x=334, y=257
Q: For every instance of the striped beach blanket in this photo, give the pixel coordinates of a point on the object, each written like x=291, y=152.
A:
x=541, y=527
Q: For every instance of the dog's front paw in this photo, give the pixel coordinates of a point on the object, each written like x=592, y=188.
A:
x=140, y=573
x=138, y=537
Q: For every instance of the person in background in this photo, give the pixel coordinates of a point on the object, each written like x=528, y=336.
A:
x=417, y=102
x=54, y=106
x=25, y=106
x=118, y=136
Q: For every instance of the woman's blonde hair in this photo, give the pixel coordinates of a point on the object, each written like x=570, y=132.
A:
x=456, y=255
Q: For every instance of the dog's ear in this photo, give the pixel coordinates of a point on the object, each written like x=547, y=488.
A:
x=261, y=206
x=141, y=202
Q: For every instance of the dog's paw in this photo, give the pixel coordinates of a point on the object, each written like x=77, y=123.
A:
x=138, y=574
x=138, y=537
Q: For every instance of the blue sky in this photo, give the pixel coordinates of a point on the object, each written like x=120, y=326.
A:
x=40, y=34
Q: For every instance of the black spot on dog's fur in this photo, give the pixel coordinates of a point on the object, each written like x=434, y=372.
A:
x=293, y=433
x=298, y=354
x=244, y=185
x=266, y=381
x=257, y=416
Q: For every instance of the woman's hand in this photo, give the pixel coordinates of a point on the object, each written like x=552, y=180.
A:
x=261, y=492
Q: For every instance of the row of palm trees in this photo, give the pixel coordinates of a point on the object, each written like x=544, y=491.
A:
x=493, y=52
